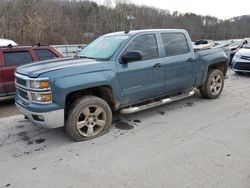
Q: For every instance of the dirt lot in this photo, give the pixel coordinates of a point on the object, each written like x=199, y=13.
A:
x=190, y=143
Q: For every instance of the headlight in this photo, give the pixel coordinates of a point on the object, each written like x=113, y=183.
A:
x=39, y=84
x=41, y=97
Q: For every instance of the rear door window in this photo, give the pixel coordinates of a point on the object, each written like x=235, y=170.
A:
x=174, y=43
x=44, y=54
x=146, y=44
x=17, y=58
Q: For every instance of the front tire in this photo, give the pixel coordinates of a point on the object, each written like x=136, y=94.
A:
x=213, y=85
x=88, y=117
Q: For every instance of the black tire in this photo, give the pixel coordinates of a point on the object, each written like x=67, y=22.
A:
x=212, y=88
x=88, y=117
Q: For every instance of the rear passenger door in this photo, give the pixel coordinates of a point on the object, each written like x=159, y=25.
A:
x=12, y=59
x=142, y=79
x=178, y=62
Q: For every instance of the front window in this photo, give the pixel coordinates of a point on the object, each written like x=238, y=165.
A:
x=102, y=48
x=146, y=44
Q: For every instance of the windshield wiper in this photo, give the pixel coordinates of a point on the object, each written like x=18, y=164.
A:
x=85, y=57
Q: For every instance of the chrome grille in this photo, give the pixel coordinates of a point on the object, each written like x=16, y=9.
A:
x=245, y=57
x=242, y=66
x=21, y=81
x=23, y=94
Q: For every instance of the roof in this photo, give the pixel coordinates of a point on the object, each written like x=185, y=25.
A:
x=26, y=47
x=134, y=32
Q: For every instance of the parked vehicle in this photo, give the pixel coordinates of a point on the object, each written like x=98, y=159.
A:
x=10, y=57
x=123, y=71
x=234, y=45
x=241, y=60
x=7, y=42
x=69, y=50
x=204, y=44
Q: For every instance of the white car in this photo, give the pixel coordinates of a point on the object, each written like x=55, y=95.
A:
x=241, y=60
x=6, y=42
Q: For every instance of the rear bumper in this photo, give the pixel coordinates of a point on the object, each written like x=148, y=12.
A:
x=51, y=119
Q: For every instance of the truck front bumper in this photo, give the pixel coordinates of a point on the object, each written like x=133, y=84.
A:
x=52, y=119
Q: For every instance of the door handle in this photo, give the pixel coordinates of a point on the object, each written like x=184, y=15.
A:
x=190, y=59
x=157, y=65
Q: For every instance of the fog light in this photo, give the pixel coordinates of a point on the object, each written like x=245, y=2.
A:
x=38, y=117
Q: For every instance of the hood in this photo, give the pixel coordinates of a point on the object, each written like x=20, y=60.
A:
x=244, y=52
x=33, y=70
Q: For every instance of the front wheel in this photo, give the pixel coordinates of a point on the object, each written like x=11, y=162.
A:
x=213, y=85
x=88, y=117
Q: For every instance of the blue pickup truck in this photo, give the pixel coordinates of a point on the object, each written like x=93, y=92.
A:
x=123, y=71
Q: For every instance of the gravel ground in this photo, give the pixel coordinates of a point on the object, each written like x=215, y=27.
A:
x=191, y=143
x=7, y=108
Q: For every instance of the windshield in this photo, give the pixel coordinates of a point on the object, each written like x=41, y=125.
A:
x=102, y=48
x=236, y=43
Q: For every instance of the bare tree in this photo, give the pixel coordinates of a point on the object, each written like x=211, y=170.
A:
x=74, y=21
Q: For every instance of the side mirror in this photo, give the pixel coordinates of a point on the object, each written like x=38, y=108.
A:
x=131, y=56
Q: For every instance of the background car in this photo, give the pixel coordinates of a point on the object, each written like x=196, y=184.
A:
x=69, y=50
x=11, y=57
x=241, y=60
x=6, y=42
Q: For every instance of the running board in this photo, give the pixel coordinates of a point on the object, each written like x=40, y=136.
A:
x=134, y=109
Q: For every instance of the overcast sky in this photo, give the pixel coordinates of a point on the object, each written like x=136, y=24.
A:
x=223, y=9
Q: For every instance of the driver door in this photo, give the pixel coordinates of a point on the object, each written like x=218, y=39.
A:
x=143, y=79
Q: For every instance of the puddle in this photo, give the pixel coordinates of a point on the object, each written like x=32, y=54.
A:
x=30, y=142
x=39, y=140
x=189, y=104
x=137, y=121
x=23, y=133
x=25, y=138
x=19, y=126
x=123, y=125
x=162, y=113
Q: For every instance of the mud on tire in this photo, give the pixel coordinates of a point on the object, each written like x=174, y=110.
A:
x=213, y=85
x=88, y=117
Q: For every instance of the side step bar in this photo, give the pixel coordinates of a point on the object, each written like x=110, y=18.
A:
x=134, y=109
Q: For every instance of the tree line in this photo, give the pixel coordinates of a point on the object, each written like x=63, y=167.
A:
x=76, y=21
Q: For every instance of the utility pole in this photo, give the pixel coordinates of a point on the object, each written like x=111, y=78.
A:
x=130, y=19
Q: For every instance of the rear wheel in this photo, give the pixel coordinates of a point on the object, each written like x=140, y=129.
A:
x=213, y=85
x=88, y=117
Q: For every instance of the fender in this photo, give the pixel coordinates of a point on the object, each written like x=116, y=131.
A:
x=210, y=61
x=66, y=85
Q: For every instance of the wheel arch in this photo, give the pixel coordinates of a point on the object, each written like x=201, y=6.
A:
x=104, y=92
x=221, y=65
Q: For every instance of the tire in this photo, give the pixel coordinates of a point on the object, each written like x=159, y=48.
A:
x=213, y=85
x=88, y=117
